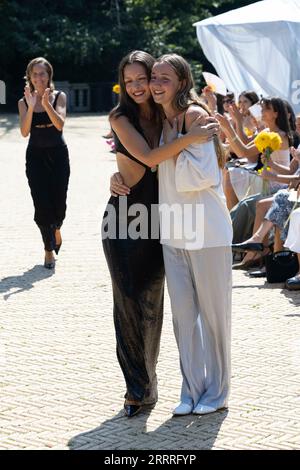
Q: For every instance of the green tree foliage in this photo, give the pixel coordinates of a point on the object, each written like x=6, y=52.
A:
x=85, y=39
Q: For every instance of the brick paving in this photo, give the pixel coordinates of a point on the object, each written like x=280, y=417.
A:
x=60, y=383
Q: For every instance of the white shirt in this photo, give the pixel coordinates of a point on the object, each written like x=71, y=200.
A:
x=193, y=211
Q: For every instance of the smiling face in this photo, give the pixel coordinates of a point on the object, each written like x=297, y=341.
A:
x=164, y=84
x=39, y=77
x=136, y=83
x=268, y=114
x=227, y=102
x=244, y=104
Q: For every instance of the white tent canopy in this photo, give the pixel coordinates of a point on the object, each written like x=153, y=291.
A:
x=256, y=47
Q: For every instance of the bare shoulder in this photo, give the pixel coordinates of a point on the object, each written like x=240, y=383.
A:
x=285, y=142
x=62, y=98
x=193, y=112
x=117, y=122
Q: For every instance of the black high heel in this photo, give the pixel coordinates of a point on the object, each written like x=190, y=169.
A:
x=57, y=248
x=131, y=410
x=57, y=245
x=250, y=246
x=49, y=264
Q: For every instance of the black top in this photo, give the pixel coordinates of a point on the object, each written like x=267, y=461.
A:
x=43, y=133
x=119, y=147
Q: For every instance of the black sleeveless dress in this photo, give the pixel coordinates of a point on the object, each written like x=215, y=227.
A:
x=137, y=274
x=47, y=171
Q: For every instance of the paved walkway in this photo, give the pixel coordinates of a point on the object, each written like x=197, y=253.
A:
x=60, y=383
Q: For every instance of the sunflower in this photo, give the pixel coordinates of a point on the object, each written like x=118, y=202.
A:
x=262, y=141
x=275, y=141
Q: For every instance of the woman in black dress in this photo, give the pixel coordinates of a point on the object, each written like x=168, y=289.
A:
x=42, y=115
x=135, y=262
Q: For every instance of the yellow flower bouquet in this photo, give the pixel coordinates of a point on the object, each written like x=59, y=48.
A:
x=267, y=142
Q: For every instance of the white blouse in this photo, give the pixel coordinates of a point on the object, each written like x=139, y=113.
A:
x=282, y=157
x=193, y=211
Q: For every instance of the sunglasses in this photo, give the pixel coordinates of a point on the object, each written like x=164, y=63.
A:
x=228, y=100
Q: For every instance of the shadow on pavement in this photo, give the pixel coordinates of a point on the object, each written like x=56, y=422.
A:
x=177, y=433
x=25, y=281
x=8, y=122
x=294, y=298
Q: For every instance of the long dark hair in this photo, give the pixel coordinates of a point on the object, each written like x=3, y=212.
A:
x=291, y=115
x=187, y=95
x=282, y=120
x=292, y=120
x=126, y=106
x=250, y=95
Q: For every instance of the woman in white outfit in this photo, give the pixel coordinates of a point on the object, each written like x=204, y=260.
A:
x=196, y=245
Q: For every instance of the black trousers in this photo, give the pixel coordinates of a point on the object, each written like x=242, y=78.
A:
x=48, y=172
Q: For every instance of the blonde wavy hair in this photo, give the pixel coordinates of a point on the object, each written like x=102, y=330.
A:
x=187, y=95
x=49, y=69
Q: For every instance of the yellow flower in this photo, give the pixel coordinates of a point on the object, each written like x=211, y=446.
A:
x=116, y=88
x=275, y=141
x=262, y=141
x=248, y=132
x=269, y=141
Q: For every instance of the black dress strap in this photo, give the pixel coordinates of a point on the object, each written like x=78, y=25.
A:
x=183, y=129
x=119, y=147
x=55, y=99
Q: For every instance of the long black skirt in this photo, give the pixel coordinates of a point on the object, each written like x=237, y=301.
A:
x=137, y=274
x=48, y=171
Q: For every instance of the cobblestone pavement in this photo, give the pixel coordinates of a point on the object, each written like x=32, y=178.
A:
x=61, y=386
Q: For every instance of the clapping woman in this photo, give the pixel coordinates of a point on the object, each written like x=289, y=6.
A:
x=42, y=115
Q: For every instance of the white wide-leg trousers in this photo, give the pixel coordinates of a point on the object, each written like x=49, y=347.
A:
x=200, y=288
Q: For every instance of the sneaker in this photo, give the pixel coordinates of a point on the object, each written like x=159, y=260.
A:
x=182, y=409
x=203, y=409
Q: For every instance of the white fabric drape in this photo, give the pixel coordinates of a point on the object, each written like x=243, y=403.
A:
x=256, y=47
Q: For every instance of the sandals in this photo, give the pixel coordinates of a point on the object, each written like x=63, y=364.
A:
x=254, y=262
